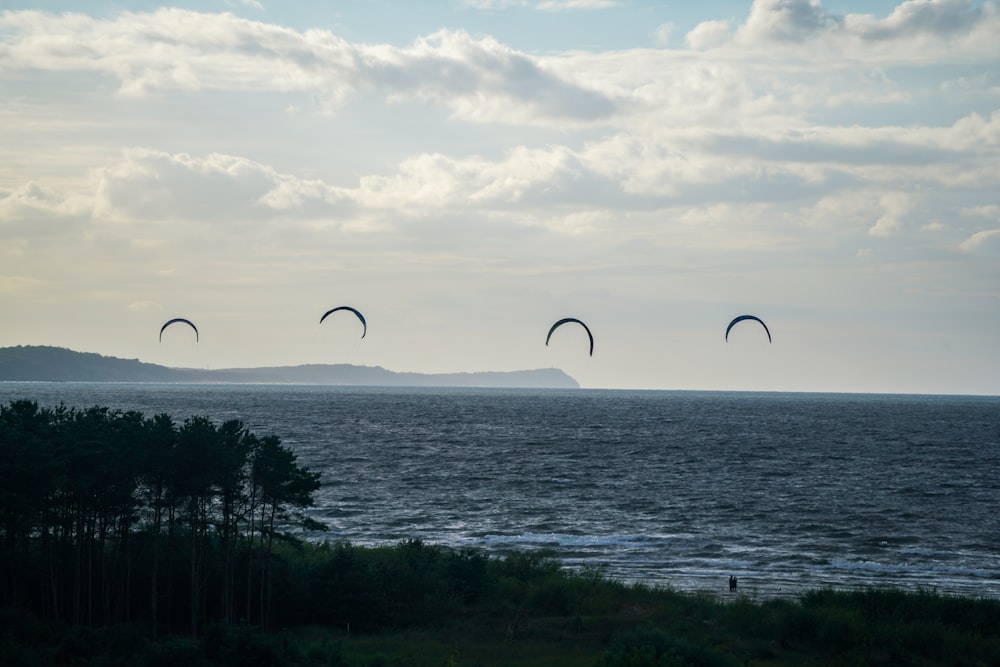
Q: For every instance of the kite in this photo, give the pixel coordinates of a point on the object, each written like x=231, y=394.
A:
x=572, y=319
x=179, y=319
x=361, y=317
x=748, y=317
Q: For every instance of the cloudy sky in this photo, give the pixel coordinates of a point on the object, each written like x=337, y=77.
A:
x=467, y=172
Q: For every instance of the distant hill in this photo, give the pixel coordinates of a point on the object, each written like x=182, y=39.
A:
x=58, y=364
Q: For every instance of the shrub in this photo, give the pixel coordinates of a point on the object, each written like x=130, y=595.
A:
x=174, y=652
x=247, y=646
x=327, y=653
x=654, y=647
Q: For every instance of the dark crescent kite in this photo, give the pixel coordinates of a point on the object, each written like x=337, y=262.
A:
x=572, y=319
x=361, y=317
x=179, y=319
x=748, y=317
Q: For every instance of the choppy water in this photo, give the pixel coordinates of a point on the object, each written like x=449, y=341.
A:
x=785, y=491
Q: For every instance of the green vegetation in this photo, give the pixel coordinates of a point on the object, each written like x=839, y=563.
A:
x=108, y=517
x=133, y=541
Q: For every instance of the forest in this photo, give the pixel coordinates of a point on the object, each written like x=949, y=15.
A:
x=112, y=517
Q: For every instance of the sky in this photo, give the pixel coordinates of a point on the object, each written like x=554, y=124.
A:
x=468, y=172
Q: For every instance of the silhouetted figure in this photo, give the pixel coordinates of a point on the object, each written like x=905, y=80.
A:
x=733, y=583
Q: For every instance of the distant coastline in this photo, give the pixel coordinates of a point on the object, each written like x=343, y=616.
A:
x=38, y=363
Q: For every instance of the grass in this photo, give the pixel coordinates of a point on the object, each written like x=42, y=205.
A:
x=419, y=605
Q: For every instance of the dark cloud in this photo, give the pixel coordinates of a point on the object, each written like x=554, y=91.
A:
x=789, y=20
x=452, y=67
x=802, y=20
x=943, y=18
x=173, y=49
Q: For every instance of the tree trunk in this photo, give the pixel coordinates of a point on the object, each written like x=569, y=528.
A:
x=194, y=568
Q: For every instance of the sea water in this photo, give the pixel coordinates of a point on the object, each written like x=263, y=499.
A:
x=787, y=492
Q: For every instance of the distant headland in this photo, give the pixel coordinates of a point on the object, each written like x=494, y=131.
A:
x=36, y=363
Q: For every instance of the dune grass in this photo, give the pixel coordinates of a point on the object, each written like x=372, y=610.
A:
x=417, y=604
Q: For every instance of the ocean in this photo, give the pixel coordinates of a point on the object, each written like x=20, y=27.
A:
x=787, y=492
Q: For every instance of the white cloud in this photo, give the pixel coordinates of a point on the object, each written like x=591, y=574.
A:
x=974, y=131
x=495, y=4
x=542, y=5
x=438, y=181
x=664, y=32
x=895, y=206
x=573, y=5
x=173, y=49
x=940, y=18
x=483, y=80
x=146, y=307
x=848, y=210
x=151, y=184
x=916, y=30
x=18, y=284
x=981, y=239
x=708, y=34
x=633, y=170
x=983, y=84
x=154, y=185
x=866, y=98
x=787, y=20
x=33, y=198
x=989, y=211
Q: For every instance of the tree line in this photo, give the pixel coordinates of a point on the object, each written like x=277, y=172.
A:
x=108, y=517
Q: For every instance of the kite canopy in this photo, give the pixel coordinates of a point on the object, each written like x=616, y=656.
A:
x=179, y=319
x=748, y=317
x=361, y=317
x=572, y=319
